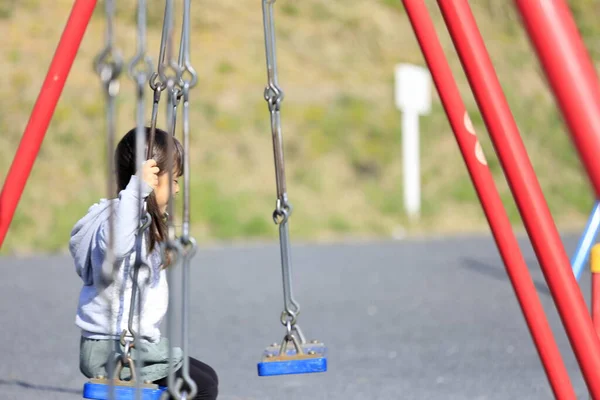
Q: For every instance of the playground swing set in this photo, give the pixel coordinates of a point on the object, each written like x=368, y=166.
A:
x=573, y=81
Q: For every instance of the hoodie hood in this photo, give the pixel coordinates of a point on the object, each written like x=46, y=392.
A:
x=84, y=235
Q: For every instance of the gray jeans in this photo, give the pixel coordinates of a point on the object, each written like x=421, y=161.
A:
x=95, y=355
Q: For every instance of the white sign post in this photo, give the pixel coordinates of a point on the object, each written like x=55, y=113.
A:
x=413, y=98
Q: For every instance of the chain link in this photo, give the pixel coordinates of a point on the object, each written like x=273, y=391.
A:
x=184, y=51
x=157, y=80
x=174, y=386
x=186, y=162
x=141, y=64
x=171, y=109
x=109, y=62
x=168, y=68
x=190, y=247
x=157, y=94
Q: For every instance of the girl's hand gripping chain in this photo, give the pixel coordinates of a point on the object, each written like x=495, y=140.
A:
x=150, y=173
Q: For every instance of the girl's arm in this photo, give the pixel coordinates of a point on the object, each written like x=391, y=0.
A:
x=126, y=219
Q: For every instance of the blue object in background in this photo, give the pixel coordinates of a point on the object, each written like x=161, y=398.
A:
x=586, y=242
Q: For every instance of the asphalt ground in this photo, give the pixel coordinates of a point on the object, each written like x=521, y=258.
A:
x=414, y=319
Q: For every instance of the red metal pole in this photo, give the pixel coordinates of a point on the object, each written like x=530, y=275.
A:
x=490, y=199
x=525, y=187
x=571, y=75
x=42, y=111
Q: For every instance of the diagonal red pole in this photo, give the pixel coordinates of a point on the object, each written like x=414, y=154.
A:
x=43, y=110
x=489, y=197
x=525, y=188
x=571, y=75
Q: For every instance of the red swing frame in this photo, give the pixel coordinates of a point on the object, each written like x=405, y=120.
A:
x=575, y=85
x=43, y=110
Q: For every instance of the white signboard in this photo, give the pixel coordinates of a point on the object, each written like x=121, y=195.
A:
x=413, y=97
x=413, y=89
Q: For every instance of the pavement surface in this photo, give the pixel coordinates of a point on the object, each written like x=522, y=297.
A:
x=414, y=319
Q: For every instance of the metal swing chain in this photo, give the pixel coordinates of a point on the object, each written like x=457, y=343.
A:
x=274, y=95
x=108, y=64
x=188, y=242
x=170, y=73
x=139, y=69
x=175, y=248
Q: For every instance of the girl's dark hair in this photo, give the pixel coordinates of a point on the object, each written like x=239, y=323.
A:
x=125, y=163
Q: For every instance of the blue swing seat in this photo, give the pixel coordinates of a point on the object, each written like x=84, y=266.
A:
x=99, y=389
x=313, y=359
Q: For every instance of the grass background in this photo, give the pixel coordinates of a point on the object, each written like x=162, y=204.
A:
x=341, y=130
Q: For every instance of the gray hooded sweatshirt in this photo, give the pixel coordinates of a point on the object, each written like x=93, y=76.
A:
x=104, y=300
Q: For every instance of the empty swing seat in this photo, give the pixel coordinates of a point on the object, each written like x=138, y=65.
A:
x=100, y=389
x=312, y=359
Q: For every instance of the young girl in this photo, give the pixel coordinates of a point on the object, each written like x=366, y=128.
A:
x=103, y=311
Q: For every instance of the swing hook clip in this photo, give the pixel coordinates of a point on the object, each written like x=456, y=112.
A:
x=283, y=210
x=274, y=96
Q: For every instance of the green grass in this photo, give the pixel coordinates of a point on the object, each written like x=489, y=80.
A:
x=341, y=129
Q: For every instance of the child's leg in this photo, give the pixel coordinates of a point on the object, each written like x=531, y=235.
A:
x=205, y=377
x=205, y=368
